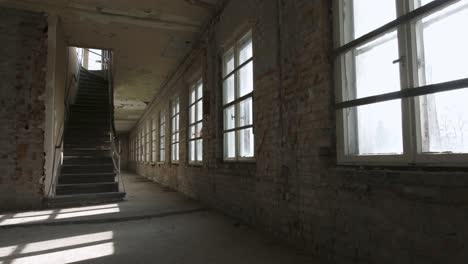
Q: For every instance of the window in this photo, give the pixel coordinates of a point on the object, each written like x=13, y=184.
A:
x=238, y=89
x=175, y=110
x=148, y=141
x=142, y=145
x=154, y=138
x=402, y=81
x=162, y=137
x=196, y=123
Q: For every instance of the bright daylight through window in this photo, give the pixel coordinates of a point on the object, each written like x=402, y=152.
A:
x=382, y=54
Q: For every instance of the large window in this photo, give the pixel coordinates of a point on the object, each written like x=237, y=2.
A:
x=175, y=110
x=238, y=89
x=142, y=144
x=148, y=141
x=402, y=79
x=154, y=138
x=162, y=137
x=196, y=123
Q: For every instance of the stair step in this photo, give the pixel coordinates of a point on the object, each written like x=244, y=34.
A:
x=86, y=153
x=87, y=161
x=81, y=188
x=89, y=177
x=84, y=199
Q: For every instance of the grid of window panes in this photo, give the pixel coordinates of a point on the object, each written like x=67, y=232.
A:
x=196, y=123
x=142, y=145
x=154, y=138
x=238, y=100
x=175, y=134
x=436, y=54
x=148, y=141
x=162, y=137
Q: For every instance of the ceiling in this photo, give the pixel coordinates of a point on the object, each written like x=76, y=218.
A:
x=149, y=39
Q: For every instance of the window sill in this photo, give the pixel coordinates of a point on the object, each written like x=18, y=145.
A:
x=241, y=161
x=195, y=164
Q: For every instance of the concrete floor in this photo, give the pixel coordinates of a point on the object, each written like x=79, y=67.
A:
x=153, y=226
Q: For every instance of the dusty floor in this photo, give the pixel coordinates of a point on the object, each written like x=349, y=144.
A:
x=174, y=230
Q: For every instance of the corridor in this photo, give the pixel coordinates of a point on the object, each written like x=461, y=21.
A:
x=153, y=223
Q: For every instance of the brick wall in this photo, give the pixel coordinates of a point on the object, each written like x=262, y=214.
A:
x=295, y=189
x=22, y=87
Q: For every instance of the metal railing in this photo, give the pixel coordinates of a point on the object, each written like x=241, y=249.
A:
x=114, y=142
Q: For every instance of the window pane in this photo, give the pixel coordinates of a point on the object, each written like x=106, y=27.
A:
x=444, y=119
x=369, y=15
x=246, y=142
x=199, y=154
x=228, y=62
x=192, y=151
x=230, y=145
x=199, y=91
x=245, y=111
x=245, y=50
x=192, y=132
x=375, y=72
x=199, y=110
x=199, y=132
x=192, y=114
x=379, y=128
x=443, y=52
x=229, y=118
x=228, y=90
x=192, y=96
x=246, y=79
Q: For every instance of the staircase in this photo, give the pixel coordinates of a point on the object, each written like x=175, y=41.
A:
x=87, y=174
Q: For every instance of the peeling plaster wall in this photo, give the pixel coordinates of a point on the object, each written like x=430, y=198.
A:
x=23, y=55
x=295, y=189
x=57, y=81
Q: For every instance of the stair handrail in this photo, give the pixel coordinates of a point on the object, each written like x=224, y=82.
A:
x=115, y=150
x=56, y=164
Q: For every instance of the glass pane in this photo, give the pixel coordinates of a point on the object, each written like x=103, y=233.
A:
x=230, y=145
x=228, y=62
x=228, y=90
x=374, y=70
x=245, y=112
x=199, y=150
x=379, y=128
x=192, y=96
x=200, y=110
x=444, y=119
x=199, y=91
x=369, y=15
x=443, y=52
x=199, y=132
x=162, y=155
x=192, y=114
x=246, y=142
x=192, y=151
x=192, y=133
x=162, y=130
x=246, y=79
x=245, y=50
x=229, y=118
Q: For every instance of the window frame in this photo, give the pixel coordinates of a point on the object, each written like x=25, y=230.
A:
x=162, y=137
x=234, y=48
x=175, y=132
x=154, y=138
x=405, y=26
x=195, y=123
x=148, y=141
